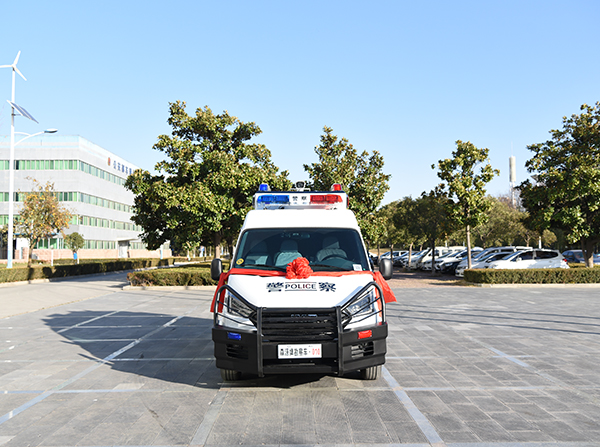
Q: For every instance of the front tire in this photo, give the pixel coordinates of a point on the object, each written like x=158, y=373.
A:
x=370, y=373
x=229, y=375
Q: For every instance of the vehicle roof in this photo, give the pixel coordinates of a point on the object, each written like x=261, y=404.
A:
x=300, y=218
x=519, y=252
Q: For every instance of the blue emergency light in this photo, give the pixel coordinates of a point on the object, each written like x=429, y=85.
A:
x=267, y=199
x=263, y=187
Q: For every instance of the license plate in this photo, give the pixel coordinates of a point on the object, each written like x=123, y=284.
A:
x=299, y=351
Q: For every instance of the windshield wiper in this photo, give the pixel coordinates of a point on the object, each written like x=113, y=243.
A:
x=333, y=267
x=266, y=267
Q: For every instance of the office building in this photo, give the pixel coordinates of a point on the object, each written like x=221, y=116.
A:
x=89, y=181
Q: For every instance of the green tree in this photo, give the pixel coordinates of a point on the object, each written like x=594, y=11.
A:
x=566, y=191
x=407, y=224
x=74, y=242
x=390, y=235
x=204, y=190
x=360, y=175
x=504, y=225
x=432, y=219
x=466, y=178
x=42, y=216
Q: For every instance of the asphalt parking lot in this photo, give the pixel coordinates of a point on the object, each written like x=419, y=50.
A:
x=466, y=367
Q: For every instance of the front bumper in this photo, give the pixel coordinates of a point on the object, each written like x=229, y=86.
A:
x=256, y=352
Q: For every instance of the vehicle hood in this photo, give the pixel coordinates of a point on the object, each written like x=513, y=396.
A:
x=315, y=291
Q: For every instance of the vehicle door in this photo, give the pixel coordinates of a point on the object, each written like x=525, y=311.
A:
x=494, y=257
x=525, y=260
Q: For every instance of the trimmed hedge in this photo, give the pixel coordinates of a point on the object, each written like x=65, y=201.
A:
x=192, y=259
x=70, y=261
x=534, y=276
x=87, y=268
x=190, y=275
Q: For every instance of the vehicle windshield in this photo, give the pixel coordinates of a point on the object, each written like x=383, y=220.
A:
x=331, y=249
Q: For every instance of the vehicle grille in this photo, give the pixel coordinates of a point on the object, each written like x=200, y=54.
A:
x=295, y=325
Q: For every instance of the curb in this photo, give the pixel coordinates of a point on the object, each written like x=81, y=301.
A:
x=63, y=278
x=211, y=288
x=591, y=285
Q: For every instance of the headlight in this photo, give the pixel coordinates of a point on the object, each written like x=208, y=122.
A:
x=236, y=313
x=363, y=310
x=236, y=306
x=362, y=305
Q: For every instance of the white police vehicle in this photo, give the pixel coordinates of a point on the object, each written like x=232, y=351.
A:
x=300, y=296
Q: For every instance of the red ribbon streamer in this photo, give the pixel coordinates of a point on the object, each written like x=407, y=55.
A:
x=388, y=295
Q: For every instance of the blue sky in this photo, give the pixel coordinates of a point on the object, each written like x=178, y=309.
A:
x=404, y=78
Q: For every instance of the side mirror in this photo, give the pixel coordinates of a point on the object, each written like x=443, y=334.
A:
x=216, y=268
x=518, y=259
x=386, y=268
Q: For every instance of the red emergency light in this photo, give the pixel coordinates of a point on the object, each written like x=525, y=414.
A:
x=325, y=198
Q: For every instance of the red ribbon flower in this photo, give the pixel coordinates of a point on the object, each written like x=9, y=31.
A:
x=298, y=269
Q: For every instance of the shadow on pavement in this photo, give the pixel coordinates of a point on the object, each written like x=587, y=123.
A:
x=157, y=348
x=153, y=345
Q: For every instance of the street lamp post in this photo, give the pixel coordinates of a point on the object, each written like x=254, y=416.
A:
x=11, y=175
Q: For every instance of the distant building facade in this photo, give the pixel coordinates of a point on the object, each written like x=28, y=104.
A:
x=89, y=181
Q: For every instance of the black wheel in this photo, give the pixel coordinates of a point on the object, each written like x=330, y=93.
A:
x=370, y=373
x=229, y=375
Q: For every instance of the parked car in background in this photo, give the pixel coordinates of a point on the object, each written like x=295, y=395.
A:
x=448, y=263
x=426, y=264
x=482, y=262
x=402, y=260
x=577, y=256
x=397, y=260
x=532, y=259
x=507, y=249
x=389, y=254
x=416, y=258
x=427, y=256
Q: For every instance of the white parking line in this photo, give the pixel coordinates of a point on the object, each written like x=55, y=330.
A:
x=105, y=360
x=423, y=423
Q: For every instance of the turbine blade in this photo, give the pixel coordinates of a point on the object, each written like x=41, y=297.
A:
x=16, y=59
x=18, y=71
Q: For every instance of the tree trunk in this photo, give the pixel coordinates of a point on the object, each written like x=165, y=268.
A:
x=30, y=254
x=217, y=242
x=230, y=249
x=587, y=247
x=433, y=257
x=468, y=246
